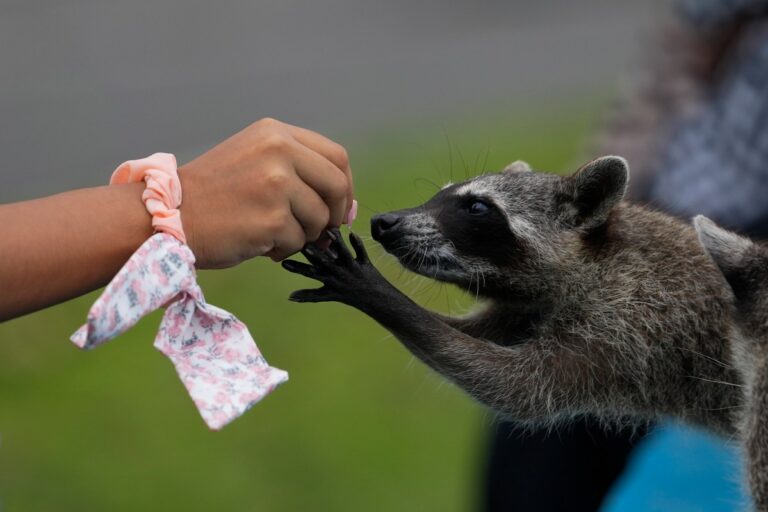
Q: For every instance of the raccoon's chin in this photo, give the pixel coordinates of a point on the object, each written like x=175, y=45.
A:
x=434, y=268
x=426, y=263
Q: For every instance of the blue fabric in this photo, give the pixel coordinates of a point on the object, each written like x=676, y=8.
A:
x=680, y=469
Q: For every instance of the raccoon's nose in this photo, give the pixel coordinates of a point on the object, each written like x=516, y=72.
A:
x=381, y=224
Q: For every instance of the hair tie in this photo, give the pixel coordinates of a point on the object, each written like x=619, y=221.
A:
x=212, y=351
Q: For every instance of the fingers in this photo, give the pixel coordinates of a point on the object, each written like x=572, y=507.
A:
x=309, y=210
x=289, y=240
x=315, y=295
x=357, y=245
x=303, y=269
x=329, y=149
x=326, y=179
x=316, y=256
x=339, y=247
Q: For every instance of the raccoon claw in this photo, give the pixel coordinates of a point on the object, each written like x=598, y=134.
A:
x=314, y=295
x=360, y=252
x=344, y=276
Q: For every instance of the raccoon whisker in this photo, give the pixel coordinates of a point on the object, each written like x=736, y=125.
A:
x=463, y=163
x=482, y=274
x=715, y=381
x=709, y=358
x=450, y=154
x=434, y=288
x=472, y=277
x=420, y=290
x=377, y=260
x=428, y=181
x=727, y=408
x=484, y=167
x=372, y=210
x=422, y=257
x=474, y=163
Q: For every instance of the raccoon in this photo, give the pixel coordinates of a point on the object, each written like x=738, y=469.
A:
x=590, y=305
x=744, y=265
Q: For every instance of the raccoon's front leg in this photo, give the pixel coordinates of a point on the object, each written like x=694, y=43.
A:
x=527, y=381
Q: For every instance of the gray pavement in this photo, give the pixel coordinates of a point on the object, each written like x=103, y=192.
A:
x=85, y=84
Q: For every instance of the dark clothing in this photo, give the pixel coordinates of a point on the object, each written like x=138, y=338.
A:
x=570, y=470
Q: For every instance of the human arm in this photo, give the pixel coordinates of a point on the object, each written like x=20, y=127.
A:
x=267, y=190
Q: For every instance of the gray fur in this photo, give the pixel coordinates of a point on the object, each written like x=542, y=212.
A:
x=591, y=305
x=744, y=265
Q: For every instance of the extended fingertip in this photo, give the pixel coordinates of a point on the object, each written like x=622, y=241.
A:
x=314, y=295
x=356, y=241
x=351, y=214
x=357, y=244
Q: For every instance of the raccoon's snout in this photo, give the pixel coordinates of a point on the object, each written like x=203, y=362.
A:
x=384, y=226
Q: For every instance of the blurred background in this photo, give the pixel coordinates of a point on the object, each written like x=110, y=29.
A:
x=420, y=92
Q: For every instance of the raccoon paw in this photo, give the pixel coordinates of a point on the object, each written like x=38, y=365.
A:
x=346, y=278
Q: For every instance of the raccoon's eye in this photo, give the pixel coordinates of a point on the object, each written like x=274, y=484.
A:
x=479, y=208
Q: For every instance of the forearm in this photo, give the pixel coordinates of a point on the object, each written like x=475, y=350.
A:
x=531, y=381
x=517, y=381
x=56, y=248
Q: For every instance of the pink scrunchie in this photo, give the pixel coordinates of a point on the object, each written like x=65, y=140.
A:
x=162, y=196
x=212, y=351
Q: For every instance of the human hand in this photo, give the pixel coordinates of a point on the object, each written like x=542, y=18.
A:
x=267, y=190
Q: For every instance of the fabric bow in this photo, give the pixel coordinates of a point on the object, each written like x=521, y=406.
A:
x=212, y=351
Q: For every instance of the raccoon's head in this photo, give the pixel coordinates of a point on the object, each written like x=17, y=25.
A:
x=744, y=264
x=500, y=232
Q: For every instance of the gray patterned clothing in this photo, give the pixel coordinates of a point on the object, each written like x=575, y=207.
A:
x=716, y=159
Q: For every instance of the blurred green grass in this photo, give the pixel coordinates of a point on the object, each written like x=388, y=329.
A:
x=361, y=425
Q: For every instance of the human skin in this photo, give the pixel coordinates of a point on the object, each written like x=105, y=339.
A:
x=266, y=191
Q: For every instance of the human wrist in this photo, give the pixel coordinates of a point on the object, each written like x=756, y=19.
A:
x=135, y=220
x=190, y=200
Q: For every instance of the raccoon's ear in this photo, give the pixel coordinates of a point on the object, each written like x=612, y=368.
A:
x=518, y=166
x=598, y=186
x=726, y=248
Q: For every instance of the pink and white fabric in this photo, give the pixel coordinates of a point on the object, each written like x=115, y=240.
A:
x=213, y=352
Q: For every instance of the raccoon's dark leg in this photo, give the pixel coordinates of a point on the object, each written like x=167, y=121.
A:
x=530, y=381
